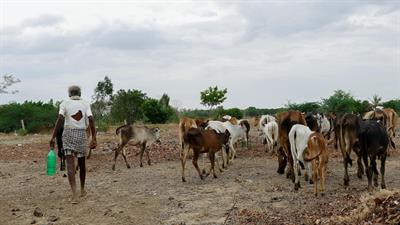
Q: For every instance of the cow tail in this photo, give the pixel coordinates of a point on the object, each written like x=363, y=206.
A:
x=118, y=129
x=295, y=150
x=315, y=142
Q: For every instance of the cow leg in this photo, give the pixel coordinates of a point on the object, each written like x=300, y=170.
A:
x=369, y=171
x=309, y=172
x=290, y=171
x=204, y=163
x=297, y=181
x=383, y=160
x=196, y=154
x=116, y=155
x=282, y=161
x=126, y=162
x=142, y=148
x=184, y=152
x=314, y=177
x=62, y=164
x=148, y=156
x=232, y=153
x=212, y=159
x=360, y=170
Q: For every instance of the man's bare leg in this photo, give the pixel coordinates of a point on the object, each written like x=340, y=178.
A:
x=82, y=174
x=71, y=177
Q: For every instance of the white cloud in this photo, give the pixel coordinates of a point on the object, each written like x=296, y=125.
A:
x=265, y=53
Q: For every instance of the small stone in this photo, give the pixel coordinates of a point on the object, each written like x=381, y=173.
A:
x=13, y=214
x=53, y=218
x=33, y=221
x=38, y=212
x=171, y=198
x=15, y=210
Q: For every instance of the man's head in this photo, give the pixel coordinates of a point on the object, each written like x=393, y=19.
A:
x=74, y=90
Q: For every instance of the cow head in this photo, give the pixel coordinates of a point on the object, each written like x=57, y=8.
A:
x=156, y=133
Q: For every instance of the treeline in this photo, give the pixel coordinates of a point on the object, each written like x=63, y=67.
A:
x=131, y=105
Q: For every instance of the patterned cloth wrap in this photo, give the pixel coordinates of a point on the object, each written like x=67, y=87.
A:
x=74, y=142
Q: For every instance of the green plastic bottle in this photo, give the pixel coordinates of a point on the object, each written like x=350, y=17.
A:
x=51, y=163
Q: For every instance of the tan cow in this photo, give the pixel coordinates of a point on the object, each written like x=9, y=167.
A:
x=391, y=123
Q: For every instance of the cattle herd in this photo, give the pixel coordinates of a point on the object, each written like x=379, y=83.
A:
x=300, y=141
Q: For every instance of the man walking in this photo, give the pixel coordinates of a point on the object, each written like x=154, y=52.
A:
x=75, y=113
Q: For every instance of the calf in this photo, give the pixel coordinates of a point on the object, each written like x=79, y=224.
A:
x=204, y=141
x=298, y=137
x=261, y=121
x=317, y=153
x=61, y=153
x=270, y=136
x=374, y=142
x=285, y=122
x=237, y=132
x=140, y=135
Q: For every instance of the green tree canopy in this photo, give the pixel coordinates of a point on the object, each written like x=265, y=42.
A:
x=213, y=96
x=127, y=105
x=155, y=112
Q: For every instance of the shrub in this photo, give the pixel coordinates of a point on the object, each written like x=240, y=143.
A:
x=155, y=112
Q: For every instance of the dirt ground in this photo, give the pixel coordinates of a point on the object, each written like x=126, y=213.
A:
x=250, y=192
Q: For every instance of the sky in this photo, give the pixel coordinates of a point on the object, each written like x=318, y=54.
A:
x=265, y=53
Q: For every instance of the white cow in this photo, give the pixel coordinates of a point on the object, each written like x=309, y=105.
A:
x=298, y=137
x=237, y=132
x=324, y=125
x=264, y=120
x=270, y=136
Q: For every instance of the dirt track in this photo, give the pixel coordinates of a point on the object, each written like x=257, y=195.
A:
x=250, y=192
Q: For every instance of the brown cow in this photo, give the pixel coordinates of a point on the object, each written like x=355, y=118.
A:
x=317, y=152
x=285, y=122
x=348, y=141
x=204, y=141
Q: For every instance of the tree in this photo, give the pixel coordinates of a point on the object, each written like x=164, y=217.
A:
x=7, y=81
x=375, y=101
x=103, y=94
x=127, y=105
x=213, y=96
x=304, y=107
x=164, y=100
x=341, y=102
x=155, y=111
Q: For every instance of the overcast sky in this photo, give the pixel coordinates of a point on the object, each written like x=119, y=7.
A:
x=264, y=52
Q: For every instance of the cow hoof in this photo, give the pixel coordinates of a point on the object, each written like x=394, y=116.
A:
x=183, y=179
x=215, y=176
x=204, y=171
x=280, y=171
x=359, y=175
x=346, y=183
x=296, y=186
x=149, y=163
x=322, y=193
x=201, y=177
x=383, y=186
x=113, y=167
x=128, y=166
x=141, y=165
x=311, y=181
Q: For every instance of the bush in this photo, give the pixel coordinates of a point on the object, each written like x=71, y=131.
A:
x=102, y=126
x=394, y=104
x=36, y=115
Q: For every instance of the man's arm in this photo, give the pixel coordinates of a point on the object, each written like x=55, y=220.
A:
x=93, y=142
x=59, y=122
